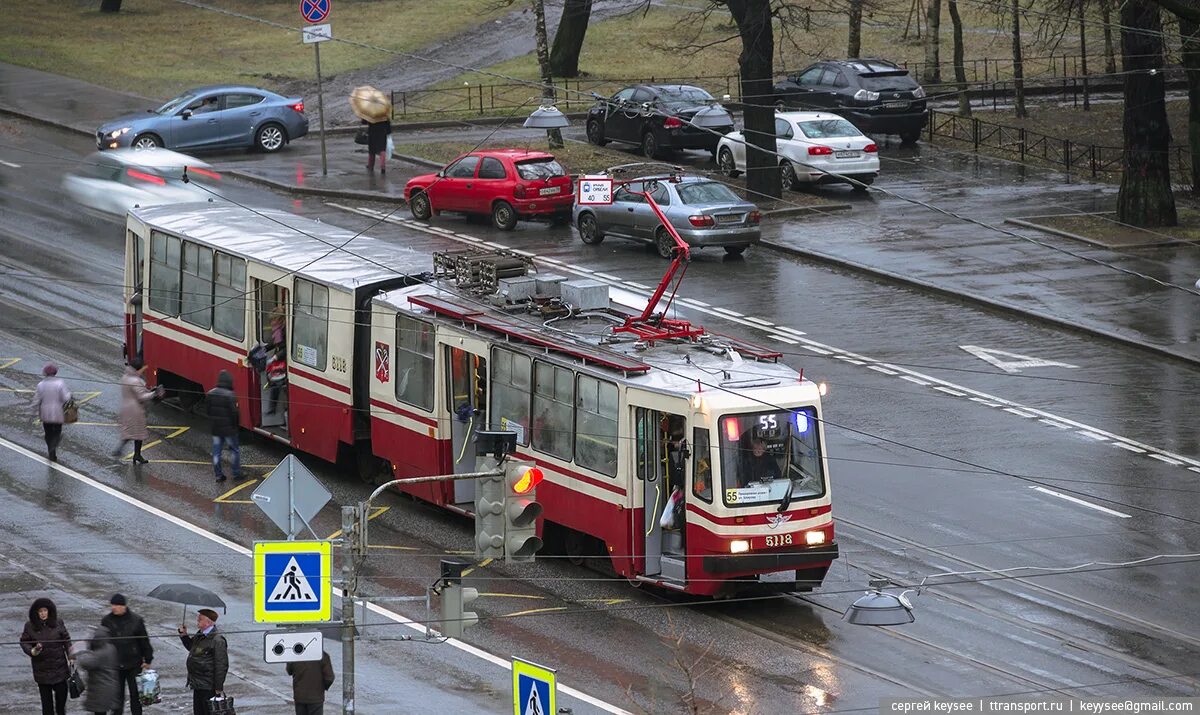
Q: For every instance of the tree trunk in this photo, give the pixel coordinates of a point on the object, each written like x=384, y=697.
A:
x=753, y=18
x=1145, y=199
x=568, y=38
x=1083, y=69
x=960, y=70
x=110, y=5
x=854, y=42
x=1110, y=55
x=1018, y=64
x=553, y=136
x=1189, y=32
x=933, y=39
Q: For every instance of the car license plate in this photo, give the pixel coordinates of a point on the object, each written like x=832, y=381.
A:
x=729, y=218
x=847, y=154
x=550, y=191
x=895, y=105
x=778, y=577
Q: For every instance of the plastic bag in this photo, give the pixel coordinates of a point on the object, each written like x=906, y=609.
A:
x=669, y=515
x=391, y=146
x=147, y=687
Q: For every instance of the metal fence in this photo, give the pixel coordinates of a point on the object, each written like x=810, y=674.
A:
x=1026, y=146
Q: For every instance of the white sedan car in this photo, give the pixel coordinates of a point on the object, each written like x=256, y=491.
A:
x=112, y=182
x=814, y=148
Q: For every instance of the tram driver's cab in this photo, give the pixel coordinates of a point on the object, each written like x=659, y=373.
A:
x=770, y=458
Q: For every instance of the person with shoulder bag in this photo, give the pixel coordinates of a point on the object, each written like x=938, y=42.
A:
x=46, y=641
x=54, y=406
x=207, y=661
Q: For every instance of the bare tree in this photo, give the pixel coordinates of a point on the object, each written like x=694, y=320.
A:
x=1083, y=68
x=960, y=71
x=1110, y=55
x=553, y=136
x=854, y=39
x=1189, y=32
x=1145, y=198
x=568, y=38
x=1018, y=62
x=933, y=25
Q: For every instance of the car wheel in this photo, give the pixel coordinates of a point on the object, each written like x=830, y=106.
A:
x=504, y=216
x=727, y=164
x=419, y=206
x=910, y=137
x=146, y=141
x=650, y=146
x=270, y=138
x=595, y=132
x=664, y=244
x=589, y=230
x=787, y=174
x=734, y=250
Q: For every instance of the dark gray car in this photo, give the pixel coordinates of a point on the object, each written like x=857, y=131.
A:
x=217, y=117
x=704, y=212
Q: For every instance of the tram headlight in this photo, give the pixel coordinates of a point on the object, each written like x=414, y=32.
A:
x=739, y=546
x=823, y=389
x=814, y=538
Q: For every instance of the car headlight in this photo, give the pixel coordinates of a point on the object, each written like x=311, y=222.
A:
x=919, y=93
x=118, y=132
x=866, y=95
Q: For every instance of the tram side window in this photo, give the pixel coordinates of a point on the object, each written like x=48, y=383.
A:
x=229, y=297
x=553, y=396
x=414, y=362
x=197, y=284
x=701, y=465
x=511, y=381
x=164, y=273
x=596, y=425
x=310, y=324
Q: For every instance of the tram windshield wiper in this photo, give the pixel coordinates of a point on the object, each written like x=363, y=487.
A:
x=787, y=497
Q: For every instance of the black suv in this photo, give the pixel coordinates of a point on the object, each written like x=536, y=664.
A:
x=876, y=95
x=657, y=117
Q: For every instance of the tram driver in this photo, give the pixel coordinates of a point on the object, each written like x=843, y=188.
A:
x=758, y=465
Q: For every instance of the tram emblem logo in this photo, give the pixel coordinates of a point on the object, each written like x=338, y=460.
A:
x=383, y=365
x=775, y=520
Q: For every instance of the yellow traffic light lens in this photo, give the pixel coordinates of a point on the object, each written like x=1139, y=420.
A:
x=529, y=480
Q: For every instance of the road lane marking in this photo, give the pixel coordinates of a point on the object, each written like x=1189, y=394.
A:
x=514, y=595
x=780, y=338
x=242, y=550
x=479, y=565
x=8, y=362
x=1129, y=447
x=375, y=511
x=532, y=611
x=793, y=331
x=950, y=391
x=1081, y=502
x=760, y=321
x=10, y=164
x=224, y=498
x=391, y=547
x=1016, y=361
x=912, y=376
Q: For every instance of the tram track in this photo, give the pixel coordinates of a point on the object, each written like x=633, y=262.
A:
x=1160, y=632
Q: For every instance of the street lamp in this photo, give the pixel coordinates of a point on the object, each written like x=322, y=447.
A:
x=880, y=608
x=547, y=116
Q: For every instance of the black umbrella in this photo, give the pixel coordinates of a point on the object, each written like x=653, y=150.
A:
x=188, y=595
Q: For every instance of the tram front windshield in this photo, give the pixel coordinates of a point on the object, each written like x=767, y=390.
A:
x=771, y=458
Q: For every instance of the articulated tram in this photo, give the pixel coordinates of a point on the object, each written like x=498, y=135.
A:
x=691, y=460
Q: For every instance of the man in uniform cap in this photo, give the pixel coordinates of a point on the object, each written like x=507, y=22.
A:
x=207, y=661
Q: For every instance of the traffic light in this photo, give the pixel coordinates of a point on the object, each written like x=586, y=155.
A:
x=489, y=517
x=455, y=600
x=521, y=510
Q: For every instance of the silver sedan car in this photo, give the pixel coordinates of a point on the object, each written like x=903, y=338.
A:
x=704, y=212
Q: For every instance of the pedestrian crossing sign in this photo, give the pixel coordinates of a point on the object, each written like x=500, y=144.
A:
x=534, y=689
x=292, y=581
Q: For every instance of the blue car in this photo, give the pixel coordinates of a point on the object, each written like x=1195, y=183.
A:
x=218, y=117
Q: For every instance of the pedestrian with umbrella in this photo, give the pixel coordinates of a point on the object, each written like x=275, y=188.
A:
x=375, y=110
x=208, y=653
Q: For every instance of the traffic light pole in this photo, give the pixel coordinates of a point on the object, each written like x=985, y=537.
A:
x=349, y=594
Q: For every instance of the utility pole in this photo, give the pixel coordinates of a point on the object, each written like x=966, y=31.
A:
x=349, y=594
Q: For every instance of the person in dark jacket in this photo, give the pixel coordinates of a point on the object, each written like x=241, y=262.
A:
x=223, y=418
x=377, y=136
x=310, y=680
x=207, y=661
x=46, y=641
x=100, y=661
x=134, y=652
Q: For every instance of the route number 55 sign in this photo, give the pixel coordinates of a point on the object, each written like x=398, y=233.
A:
x=595, y=191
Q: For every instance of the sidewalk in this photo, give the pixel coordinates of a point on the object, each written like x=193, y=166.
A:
x=919, y=248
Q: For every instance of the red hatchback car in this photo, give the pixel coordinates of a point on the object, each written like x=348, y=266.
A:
x=507, y=184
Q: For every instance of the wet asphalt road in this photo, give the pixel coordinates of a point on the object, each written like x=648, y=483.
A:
x=936, y=457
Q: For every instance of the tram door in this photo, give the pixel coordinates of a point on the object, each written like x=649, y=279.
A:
x=467, y=404
x=138, y=296
x=270, y=317
x=660, y=454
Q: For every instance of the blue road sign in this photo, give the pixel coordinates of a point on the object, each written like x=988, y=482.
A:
x=534, y=689
x=314, y=10
x=292, y=581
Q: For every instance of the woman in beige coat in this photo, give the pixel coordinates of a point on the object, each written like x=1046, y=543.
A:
x=132, y=415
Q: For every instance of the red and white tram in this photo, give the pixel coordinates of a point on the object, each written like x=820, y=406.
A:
x=388, y=361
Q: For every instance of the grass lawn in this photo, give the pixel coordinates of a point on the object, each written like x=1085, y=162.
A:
x=1104, y=229
x=159, y=47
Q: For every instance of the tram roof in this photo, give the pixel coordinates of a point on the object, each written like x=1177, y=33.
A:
x=292, y=243
x=669, y=366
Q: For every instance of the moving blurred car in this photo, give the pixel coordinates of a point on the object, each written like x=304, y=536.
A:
x=112, y=182
x=878, y=96
x=814, y=148
x=507, y=184
x=659, y=118
x=217, y=117
x=704, y=212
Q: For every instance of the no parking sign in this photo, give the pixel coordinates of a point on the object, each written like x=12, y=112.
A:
x=314, y=10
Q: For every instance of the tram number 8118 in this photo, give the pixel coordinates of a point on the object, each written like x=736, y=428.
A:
x=777, y=539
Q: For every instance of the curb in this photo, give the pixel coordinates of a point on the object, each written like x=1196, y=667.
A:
x=1085, y=239
x=980, y=300
x=805, y=210
x=313, y=191
x=42, y=120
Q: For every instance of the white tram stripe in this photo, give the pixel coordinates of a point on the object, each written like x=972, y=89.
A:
x=1081, y=502
x=242, y=550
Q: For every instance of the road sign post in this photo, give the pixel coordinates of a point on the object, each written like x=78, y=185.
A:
x=288, y=492
x=535, y=689
x=316, y=11
x=292, y=582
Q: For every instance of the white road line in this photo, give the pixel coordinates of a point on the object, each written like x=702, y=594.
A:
x=639, y=286
x=1092, y=435
x=1054, y=423
x=1195, y=469
x=850, y=360
x=1168, y=460
x=730, y=313
x=793, y=331
x=239, y=549
x=819, y=351
x=608, y=277
x=1081, y=502
x=693, y=301
x=10, y=164
x=1129, y=447
x=982, y=401
x=760, y=321
x=1019, y=412
x=916, y=380
x=949, y=391
x=782, y=339
x=493, y=244
x=555, y=261
x=880, y=368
